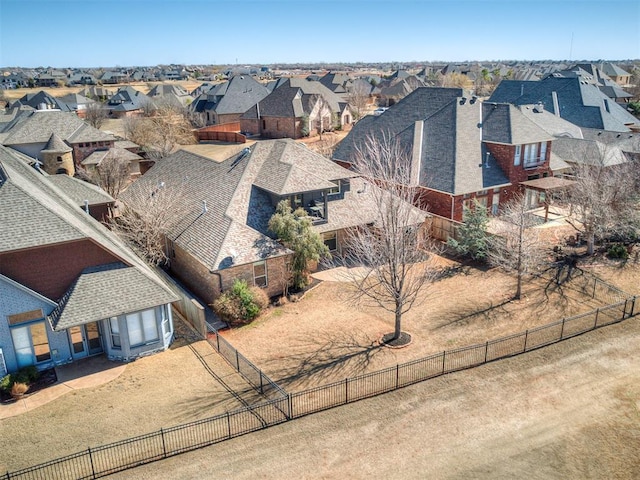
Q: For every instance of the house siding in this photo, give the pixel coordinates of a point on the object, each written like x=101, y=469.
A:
x=277, y=275
x=126, y=352
x=15, y=300
x=195, y=275
x=50, y=270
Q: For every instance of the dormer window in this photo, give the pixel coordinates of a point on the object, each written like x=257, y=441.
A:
x=335, y=190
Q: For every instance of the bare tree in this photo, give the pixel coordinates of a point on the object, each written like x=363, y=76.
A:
x=516, y=246
x=95, y=114
x=112, y=174
x=604, y=199
x=394, y=250
x=358, y=97
x=146, y=218
x=161, y=132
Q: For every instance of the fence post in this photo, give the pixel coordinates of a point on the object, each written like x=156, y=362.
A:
x=624, y=310
x=93, y=470
x=261, y=387
x=237, y=360
x=346, y=390
x=595, y=323
x=290, y=405
x=526, y=337
x=486, y=351
x=595, y=282
x=164, y=447
x=444, y=354
x=633, y=306
x=218, y=340
x=397, y=374
x=228, y=426
x=562, y=329
x=8, y=477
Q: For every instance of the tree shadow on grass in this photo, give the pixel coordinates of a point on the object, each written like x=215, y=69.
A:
x=324, y=358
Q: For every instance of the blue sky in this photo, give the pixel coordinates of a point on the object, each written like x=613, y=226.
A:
x=94, y=33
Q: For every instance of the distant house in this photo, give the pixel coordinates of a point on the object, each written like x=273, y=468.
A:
x=295, y=108
x=31, y=133
x=82, y=78
x=41, y=101
x=594, y=75
x=574, y=100
x=127, y=101
x=68, y=287
x=227, y=101
x=225, y=236
x=462, y=149
x=93, y=161
x=336, y=82
x=77, y=103
x=173, y=94
x=112, y=77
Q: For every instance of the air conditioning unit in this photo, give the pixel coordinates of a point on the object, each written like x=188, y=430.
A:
x=3, y=365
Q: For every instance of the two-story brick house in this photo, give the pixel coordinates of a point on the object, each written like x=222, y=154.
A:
x=221, y=233
x=461, y=149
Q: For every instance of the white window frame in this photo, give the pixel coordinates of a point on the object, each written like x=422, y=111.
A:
x=23, y=346
x=335, y=190
x=516, y=157
x=114, y=333
x=142, y=328
x=256, y=277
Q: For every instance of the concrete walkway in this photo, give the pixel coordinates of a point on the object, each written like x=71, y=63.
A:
x=87, y=373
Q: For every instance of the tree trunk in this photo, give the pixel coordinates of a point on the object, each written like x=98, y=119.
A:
x=398, y=323
x=591, y=240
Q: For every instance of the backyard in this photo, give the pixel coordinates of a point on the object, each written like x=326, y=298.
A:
x=188, y=382
x=323, y=338
x=319, y=339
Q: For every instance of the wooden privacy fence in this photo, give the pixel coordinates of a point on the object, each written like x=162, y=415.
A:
x=187, y=305
x=282, y=406
x=226, y=132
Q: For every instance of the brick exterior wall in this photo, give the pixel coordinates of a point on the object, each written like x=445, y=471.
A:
x=280, y=127
x=50, y=270
x=83, y=150
x=504, y=155
x=208, y=286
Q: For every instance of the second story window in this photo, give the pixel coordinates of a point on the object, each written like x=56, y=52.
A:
x=532, y=154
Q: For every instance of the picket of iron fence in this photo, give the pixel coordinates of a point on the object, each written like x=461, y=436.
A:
x=115, y=457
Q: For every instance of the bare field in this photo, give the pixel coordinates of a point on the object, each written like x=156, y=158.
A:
x=144, y=87
x=323, y=338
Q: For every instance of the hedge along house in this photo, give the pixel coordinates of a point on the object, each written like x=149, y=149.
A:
x=220, y=230
x=68, y=287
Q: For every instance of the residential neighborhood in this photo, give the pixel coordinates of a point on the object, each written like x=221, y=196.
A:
x=314, y=268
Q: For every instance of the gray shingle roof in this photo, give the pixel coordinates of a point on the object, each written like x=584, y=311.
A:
x=55, y=144
x=453, y=157
x=233, y=230
x=119, y=288
x=37, y=127
x=79, y=190
x=235, y=96
x=34, y=212
x=294, y=97
x=115, y=152
x=504, y=123
x=290, y=167
x=578, y=102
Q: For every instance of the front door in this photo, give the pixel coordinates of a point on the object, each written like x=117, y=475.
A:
x=85, y=340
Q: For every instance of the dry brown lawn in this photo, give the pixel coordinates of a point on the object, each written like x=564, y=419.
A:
x=323, y=338
x=143, y=87
x=162, y=390
x=570, y=411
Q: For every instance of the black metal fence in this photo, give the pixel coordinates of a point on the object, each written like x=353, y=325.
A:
x=252, y=374
x=107, y=459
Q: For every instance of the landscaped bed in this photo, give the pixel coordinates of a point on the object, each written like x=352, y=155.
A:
x=323, y=338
